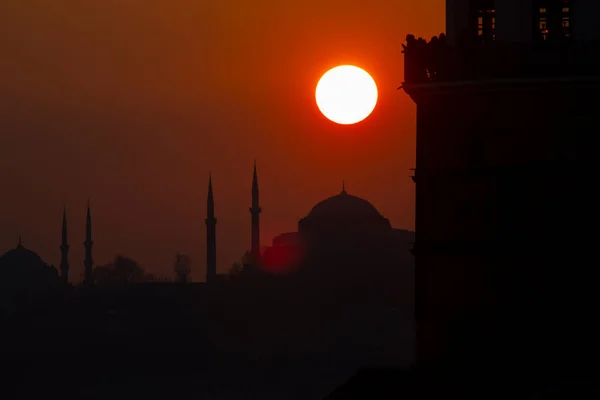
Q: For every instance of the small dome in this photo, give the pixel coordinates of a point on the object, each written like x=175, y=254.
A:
x=21, y=256
x=23, y=264
x=343, y=205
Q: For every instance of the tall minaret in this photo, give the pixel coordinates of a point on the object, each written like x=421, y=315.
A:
x=211, y=235
x=64, y=250
x=88, y=262
x=255, y=211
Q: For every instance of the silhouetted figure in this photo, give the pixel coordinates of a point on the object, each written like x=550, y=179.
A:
x=88, y=262
x=64, y=251
x=211, y=236
x=255, y=211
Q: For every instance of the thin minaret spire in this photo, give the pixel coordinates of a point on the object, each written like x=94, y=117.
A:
x=211, y=237
x=64, y=249
x=255, y=210
x=88, y=262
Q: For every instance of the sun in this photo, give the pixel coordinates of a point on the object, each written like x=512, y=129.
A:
x=346, y=94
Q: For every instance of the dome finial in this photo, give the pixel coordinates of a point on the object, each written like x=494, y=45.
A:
x=343, y=187
x=20, y=242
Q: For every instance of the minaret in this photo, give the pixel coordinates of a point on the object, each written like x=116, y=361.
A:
x=64, y=250
x=211, y=235
x=255, y=211
x=88, y=262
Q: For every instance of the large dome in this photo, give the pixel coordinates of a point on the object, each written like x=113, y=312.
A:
x=344, y=205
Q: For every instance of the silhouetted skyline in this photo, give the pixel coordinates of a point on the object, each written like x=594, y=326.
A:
x=147, y=123
x=131, y=105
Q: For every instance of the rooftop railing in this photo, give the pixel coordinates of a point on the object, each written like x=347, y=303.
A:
x=436, y=61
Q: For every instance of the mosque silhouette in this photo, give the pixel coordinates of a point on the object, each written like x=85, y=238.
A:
x=343, y=244
x=339, y=291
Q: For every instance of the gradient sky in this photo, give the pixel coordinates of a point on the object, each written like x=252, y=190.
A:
x=132, y=102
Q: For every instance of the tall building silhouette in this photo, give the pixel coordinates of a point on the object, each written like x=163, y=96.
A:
x=255, y=211
x=505, y=101
x=88, y=262
x=64, y=250
x=211, y=237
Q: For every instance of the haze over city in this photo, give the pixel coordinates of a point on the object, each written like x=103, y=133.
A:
x=131, y=104
x=298, y=200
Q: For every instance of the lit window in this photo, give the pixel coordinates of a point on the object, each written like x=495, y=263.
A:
x=544, y=28
x=484, y=21
x=486, y=24
x=566, y=22
x=543, y=23
x=547, y=24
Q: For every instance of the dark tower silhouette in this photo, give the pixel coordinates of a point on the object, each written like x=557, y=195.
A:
x=64, y=250
x=88, y=262
x=255, y=211
x=506, y=102
x=211, y=236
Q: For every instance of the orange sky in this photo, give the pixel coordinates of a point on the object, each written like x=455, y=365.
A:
x=132, y=102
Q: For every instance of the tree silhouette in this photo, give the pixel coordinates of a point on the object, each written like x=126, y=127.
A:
x=236, y=269
x=183, y=268
x=122, y=270
x=247, y=258
x=240, y=267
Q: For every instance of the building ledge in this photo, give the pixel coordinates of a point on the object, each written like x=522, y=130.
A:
x=514, y=83
x=436, y=61
x=539, y=170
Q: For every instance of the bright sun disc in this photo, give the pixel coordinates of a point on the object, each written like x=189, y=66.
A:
x=346, y=94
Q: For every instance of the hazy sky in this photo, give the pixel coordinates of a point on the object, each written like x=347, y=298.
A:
x=132, y=102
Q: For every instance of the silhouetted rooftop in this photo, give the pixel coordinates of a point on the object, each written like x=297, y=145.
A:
x=21, y=255
x=22, y=261
x=344, y=204
x=435, y=61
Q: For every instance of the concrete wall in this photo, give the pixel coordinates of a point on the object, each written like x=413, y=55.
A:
x=585, y=20
x=513, y=21
x=526, y=209
x=457, y=19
